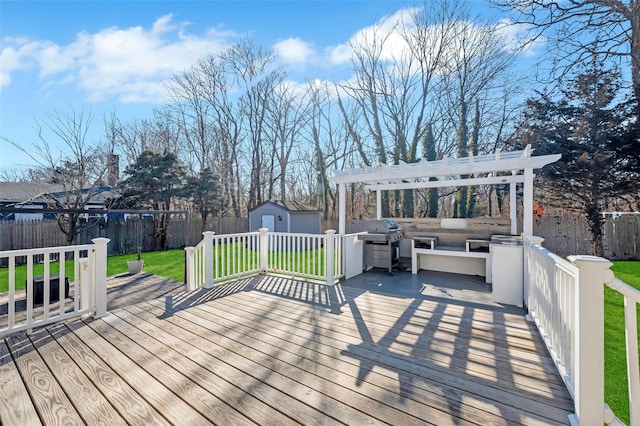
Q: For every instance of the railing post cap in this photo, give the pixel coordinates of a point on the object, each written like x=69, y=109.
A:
x=205, y=233
x=189, y=249
x=330, y=231
x=594, y=262
x=263, y=230
x=586, y=260
x=101, y=240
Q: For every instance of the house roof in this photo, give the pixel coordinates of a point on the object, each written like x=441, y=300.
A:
x=33, y=192
x=25, y=192
x=291, y=206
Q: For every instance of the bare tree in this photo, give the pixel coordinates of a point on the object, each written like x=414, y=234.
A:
x=579, y=29
x=287, y=114
x=216, y=84
x=254, y=77
x=328, y=137
x=66, y=157
x=396, y=86
x=192, y=110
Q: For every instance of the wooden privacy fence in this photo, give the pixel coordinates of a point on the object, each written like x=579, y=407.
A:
x=568, y=236
x=563, y=236
x=125, y=235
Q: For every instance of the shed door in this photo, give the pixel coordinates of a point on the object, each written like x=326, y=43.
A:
x=269, y=222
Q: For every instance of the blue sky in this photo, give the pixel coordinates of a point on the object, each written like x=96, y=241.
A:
x=108, y=56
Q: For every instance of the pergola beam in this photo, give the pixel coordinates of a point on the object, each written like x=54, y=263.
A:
x=443, y=168
x=490, y=180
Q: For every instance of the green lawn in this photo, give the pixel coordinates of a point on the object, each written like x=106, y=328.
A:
x=615, y=377
x=168, y=264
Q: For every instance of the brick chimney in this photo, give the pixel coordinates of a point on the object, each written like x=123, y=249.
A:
x=113, y=169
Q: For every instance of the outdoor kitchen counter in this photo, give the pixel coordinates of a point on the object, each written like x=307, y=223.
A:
x=450, y=259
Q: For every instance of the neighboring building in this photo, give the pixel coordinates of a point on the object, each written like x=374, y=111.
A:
x=285, y=216
x=38, y=195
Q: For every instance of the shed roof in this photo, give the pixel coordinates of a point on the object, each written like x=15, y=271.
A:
x=291, y=206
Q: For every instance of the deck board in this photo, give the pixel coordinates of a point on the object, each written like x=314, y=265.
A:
x=47, y=396
x=130, y=404
x=448, y=372
x=13, y=390
x=94, y=408
x=269, y=350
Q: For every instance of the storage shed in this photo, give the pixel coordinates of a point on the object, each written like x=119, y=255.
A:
x=285, y=216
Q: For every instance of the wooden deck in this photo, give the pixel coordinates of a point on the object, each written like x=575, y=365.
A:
x=269, y=350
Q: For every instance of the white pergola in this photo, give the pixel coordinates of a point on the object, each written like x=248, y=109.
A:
x=514, y=167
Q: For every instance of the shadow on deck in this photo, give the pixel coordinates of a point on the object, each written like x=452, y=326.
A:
x=272, y=350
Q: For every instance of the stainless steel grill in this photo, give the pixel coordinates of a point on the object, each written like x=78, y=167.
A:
x=382, y=244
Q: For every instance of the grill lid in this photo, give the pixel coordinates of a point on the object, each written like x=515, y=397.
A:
x=384, y=226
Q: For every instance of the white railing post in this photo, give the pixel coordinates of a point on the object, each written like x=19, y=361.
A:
x=208, y=258
x=328, y=255
x=264, y=250
x=528, y=242
x=633, y=375
x=190, y=268
x=589, y=340
x=84, y=284
x=100, y=275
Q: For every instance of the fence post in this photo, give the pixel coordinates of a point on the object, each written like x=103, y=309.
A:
x=328, y=255
x=264, y=250
x=208, y=258
x=84, y=284
x=589, y=340
x=189, y=268
x=100, y=275
x=528, y=242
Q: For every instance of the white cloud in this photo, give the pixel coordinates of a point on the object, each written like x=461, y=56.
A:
x=519, y=37
x=17, y=55
x=294, y=51
x=386, y=33
x=130, y=64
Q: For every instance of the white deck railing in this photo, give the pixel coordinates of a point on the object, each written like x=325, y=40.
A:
x=219, y=258
x=87, y=286
x=566, y=301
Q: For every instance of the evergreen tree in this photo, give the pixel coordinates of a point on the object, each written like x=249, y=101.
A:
x=591, y=127
x=429, y=152
x=473, y=147
x=205, y=192
x=462, y=144
x=154, y=181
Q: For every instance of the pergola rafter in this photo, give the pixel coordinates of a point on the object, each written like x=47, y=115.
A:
x=514, y=167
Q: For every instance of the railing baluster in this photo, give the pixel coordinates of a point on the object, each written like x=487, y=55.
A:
x=29, y=289
x=44, y=314
x=46, y=285
x=12, y=292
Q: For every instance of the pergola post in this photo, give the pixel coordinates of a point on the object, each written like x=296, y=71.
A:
x=378, y=204
x=342, y=208
x=513, y=207
x=527, y=203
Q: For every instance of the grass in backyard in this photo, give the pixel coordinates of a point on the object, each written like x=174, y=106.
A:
x=169, y=264
x=615, y=378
